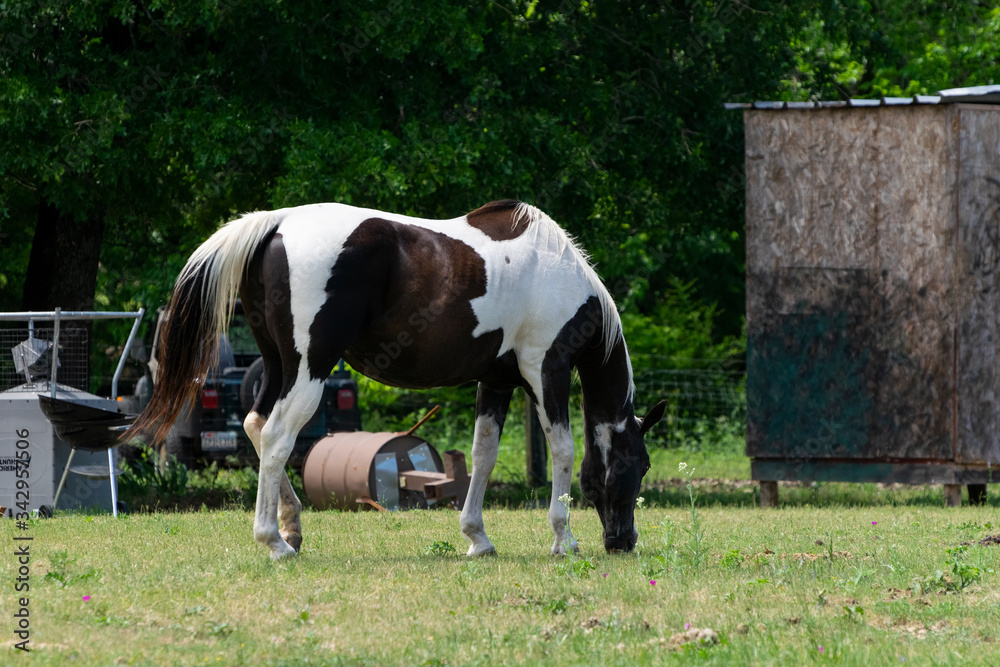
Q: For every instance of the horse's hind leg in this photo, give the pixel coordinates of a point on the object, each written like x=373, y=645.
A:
x=277, y=439
x=491, y=411
x=257, y=307
x=289, y=505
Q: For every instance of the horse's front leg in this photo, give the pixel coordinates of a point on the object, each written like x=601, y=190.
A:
x=277, y=439
x=560, y=439
x=491, y=412
x=552, y=403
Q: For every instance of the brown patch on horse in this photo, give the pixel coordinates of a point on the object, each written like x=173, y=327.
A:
x=399, y=309
x=497, y=220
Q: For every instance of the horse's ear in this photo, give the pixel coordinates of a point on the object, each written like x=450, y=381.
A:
x=654, y=415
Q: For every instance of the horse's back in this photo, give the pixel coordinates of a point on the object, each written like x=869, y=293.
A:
x=428, y=302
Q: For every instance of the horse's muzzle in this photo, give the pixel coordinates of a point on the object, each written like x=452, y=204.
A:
x=624, y=542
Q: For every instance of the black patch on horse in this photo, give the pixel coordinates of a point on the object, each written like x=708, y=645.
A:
x=265, y=294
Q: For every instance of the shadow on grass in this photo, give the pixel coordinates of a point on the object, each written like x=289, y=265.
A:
x=746, y=493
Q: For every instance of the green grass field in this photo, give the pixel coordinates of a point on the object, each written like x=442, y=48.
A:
x=374, y=589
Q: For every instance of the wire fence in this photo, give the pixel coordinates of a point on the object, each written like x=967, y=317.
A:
x=703, y=395
x=26, y=358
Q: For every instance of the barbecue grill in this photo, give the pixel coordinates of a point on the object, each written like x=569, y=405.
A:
x=58, y=424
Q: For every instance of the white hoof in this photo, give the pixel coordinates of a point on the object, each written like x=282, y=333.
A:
x=282, y=550
x=559, y=548
x=478, y=550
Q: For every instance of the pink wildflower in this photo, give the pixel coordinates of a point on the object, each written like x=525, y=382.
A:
x=86, y=598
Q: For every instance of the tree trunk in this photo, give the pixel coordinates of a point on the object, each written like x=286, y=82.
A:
x=62, y=268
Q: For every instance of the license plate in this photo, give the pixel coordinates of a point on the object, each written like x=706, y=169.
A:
x=218, y=441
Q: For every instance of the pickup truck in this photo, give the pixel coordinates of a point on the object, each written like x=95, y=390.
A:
x=211, y=429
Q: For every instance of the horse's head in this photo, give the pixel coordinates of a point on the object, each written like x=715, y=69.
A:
x=611, y=474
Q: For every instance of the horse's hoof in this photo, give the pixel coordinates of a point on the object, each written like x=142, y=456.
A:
x=282, y=551
x=560, y=549
x=294, y=541
x=474, y=553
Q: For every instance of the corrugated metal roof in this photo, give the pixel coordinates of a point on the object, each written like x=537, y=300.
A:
x=973, y=95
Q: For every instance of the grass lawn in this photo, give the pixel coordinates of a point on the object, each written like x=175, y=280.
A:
x=369, y=588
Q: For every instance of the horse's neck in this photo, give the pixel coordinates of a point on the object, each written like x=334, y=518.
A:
x=607, y=387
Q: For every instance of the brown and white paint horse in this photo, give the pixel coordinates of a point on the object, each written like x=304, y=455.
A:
x=501, y=295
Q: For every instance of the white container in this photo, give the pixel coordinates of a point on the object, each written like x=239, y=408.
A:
x=24, y=427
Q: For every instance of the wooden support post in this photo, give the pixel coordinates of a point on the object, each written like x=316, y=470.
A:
x=768, y=494
x=454, y=467
x=953, y=495
x=977, y=494
x=537, y=472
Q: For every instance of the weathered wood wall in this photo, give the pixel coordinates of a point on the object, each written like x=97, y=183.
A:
x=873, y=236
x=978, y=260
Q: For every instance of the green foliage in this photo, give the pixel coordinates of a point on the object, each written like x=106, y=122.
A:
x=732, y=559
x=696, y=531
x=853, y=612
x=856, y=48
x=956, y=578
x=574, y=566
x=164, y=119
x=556, y=606
x=148, y=483
x=680, y=326
x=440, y=548
x=146, y=478
x=59, y=571
x=654, y=566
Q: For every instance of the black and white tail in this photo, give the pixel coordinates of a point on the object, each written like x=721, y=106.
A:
x=199, y=310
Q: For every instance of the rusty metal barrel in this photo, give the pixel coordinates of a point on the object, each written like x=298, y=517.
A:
x=352, y=469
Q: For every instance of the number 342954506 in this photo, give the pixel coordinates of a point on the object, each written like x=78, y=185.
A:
x=23, y=459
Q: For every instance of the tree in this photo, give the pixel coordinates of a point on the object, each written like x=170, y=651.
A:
x=856, y=48
x=133, y=129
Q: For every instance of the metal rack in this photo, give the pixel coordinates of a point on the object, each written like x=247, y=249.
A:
x=29, y=352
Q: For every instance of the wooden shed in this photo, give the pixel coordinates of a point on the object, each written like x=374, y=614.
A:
x=873, y=296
